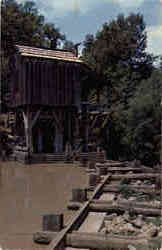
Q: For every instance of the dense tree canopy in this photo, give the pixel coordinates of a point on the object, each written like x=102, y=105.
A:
x=69, y=45
x=124, y=74
x=21, y=23
x=118, y=50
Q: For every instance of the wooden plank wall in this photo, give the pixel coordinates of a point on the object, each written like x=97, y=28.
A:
x=45, y=82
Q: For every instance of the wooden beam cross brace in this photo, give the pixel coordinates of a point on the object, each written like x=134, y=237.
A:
x=28, y=124
x=35, y=118
x=59, y=119
x=93, y=123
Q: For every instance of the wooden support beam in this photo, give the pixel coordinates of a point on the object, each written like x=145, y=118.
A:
x=135, y=176
x=123, y=202
x=124, y=169
x=102, y=241
x=106, y=207
x=142, y=188
x=58, y=120
x=77, y=126
x=35, y=118
x=26, y=118
x=93, y=123
x=28, y=124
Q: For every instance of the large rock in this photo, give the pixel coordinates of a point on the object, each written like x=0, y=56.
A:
x=44, y=237
x=129, y=228
x=152, y=232
x=130, y=247
x=118, y=220
x=149, y=230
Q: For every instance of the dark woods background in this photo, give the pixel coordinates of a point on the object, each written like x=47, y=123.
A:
x=123, y=76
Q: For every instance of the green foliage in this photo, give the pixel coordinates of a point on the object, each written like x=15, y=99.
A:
x=20, y=20
x=69, y=45
x=125, y=191
x=118, y=47
x=144, y=120
x=120, y=69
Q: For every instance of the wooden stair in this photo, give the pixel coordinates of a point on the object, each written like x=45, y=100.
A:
x=48, y=158
x=92, y=156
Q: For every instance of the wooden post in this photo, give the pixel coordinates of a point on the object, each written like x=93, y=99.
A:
x=53, y=222
x=91, y=165
x=102, y=171
x=93, y=179
x=79, y=195
x=28, y=124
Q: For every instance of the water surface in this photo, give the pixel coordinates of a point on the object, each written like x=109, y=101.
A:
x=29, y=191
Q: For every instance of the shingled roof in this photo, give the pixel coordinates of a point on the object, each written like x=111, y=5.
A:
x=47, y=53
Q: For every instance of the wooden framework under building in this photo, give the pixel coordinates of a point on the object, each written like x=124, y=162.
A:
x=46, y=97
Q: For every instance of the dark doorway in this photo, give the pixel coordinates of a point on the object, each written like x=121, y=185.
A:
x=43, y=137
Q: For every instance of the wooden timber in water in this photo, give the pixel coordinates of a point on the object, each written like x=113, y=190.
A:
x=142, y=188
x=119, y=208
x=99, y=240
x=106, y=207
x=142, y=176
x=102, y=241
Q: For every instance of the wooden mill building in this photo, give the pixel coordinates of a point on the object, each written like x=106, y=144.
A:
x=46, y=97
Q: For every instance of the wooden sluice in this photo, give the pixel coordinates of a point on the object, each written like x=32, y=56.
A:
x=84, y=231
